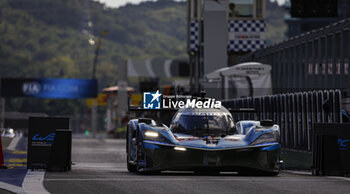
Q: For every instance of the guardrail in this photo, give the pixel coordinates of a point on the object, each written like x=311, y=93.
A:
x=295, y=113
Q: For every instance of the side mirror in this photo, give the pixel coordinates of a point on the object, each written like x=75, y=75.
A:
x=232, y=130
x=145, y=120
x=266, y=123
x=174, y=125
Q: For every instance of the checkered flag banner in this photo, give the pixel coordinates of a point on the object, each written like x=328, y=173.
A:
x=246, y=35
x=194, y=35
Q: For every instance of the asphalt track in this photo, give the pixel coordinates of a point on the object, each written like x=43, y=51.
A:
x=100, y=168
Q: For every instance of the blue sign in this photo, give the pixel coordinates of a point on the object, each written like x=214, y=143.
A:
x=49, y=88
x=41, y=138
x=38, y=137
x=151, y=100
x=344, y=144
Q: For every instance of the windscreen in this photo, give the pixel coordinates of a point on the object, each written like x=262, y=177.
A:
x=202, y=124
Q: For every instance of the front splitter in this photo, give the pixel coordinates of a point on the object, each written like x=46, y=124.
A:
x=164, y=157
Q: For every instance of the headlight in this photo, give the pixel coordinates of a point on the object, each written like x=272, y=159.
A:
x=270, y=137
x=154, y=136
x=180, y=148
x=151, y=134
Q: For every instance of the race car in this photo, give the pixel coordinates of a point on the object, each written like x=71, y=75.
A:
x=203, y=140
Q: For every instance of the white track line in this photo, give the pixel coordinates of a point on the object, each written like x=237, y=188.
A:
x=12, y=146
x=33, y=182
x=11, y=188
x=339, y=178
x=193, y=179
x=309, y=173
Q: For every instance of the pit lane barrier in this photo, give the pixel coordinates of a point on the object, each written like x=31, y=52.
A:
x=295, y=113
x=331, y=153
x=49, y=144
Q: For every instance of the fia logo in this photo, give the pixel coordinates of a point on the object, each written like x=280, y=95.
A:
x=31, y=88
x=151, y=100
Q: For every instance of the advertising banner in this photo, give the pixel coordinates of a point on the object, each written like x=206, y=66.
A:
x=101, y=100
x=41, y=136
x=49, y=88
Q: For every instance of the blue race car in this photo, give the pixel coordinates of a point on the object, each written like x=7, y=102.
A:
x=203, y=140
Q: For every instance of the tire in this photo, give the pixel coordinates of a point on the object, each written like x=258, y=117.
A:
x=131, y=167
x=139, y=169
x=138, y=152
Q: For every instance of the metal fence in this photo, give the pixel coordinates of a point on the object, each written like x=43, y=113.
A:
x=295, y=113
x=314, y=60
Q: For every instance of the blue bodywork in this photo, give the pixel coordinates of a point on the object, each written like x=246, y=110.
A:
x=229, y=142
x=252, y=146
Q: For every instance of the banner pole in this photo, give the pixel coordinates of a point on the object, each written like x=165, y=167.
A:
x=94, y=117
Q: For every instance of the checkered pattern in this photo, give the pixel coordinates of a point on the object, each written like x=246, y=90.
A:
x=194, y=39
x=246, y=45
x=246, y=26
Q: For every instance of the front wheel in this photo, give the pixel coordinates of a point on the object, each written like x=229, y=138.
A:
x=139, y=154
x=131, y=167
